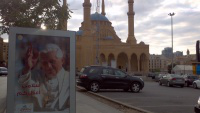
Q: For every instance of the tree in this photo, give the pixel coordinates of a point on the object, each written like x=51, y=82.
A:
x=157, y=70
x=170, y=67
x=32, y=13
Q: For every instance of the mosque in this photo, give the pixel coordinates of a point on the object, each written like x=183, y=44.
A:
x=98, y=44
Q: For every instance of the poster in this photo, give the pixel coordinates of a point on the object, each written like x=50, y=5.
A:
x=41, y=71
x=198, y=69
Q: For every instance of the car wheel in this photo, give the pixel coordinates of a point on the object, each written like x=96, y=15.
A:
x=94, y=87
x=160, y=83
x=168, y=84
x=194, y=85
x=135, y=87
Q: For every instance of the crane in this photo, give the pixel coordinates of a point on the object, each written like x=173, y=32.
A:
x=98, y=6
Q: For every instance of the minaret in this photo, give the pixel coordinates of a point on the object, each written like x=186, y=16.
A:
x=86, y=19
x=188, y=52
x=131, y=38
x=103, y=8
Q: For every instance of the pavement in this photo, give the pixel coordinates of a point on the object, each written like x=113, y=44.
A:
x=86, y=104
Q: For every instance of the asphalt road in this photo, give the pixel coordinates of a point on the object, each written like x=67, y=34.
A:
x=158, y=99
x=3, y=92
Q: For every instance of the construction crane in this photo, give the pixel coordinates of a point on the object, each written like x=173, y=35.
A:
x=98, y=6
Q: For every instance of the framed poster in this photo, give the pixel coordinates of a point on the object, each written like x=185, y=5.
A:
x=41, y=71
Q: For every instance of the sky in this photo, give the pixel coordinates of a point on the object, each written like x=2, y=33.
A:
x=152, y=22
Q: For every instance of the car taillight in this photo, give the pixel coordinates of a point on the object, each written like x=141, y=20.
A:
x=83, y=76
x=173, y=78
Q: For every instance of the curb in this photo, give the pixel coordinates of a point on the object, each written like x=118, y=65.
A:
x=117, y=102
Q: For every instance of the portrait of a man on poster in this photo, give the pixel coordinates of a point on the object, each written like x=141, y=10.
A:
x=44, y=77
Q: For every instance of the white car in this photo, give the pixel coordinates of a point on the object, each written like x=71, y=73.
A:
x=196, y=84
x=3, y=71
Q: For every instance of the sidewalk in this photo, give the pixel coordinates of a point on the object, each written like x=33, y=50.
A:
x=85, y=104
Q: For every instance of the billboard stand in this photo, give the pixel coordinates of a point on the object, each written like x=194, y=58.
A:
x=41, y=71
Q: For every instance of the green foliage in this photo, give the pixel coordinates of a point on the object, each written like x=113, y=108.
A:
x=157, y=70
x=170, y=67
x=32, y=13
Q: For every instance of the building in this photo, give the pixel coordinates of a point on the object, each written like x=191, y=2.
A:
x=5, y=52
x=98, y=44
x=185, y=60
x=158, y=63
x=178, y=53
x=167, y=52
x=1, y=51
x=183, y=69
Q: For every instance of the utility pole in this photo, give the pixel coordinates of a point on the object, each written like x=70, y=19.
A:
x=172, y=14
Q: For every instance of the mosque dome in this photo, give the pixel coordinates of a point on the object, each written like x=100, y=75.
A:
x=97, y=16
x=79, y=33
x=142, y=43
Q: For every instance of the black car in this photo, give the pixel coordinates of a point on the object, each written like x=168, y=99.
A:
x=94, y=78
x=189, y=79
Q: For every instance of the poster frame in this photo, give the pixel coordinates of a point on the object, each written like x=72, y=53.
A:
x=11, y=62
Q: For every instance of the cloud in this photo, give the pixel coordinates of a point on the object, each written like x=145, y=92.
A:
x=143, y=8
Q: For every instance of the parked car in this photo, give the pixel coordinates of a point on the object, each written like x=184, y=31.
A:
x=3, y=71
x=171, y=80
x=150, y=75
x=157, y=78
x=189, y=79
x=197, y=107
x=196, y=84
x=94, y=78
x=154, y=75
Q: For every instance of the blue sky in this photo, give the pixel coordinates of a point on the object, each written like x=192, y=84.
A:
x=152, y=23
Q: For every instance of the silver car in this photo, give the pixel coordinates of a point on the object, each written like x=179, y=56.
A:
x=3, y=71
x=157, y=78
x=171, y=80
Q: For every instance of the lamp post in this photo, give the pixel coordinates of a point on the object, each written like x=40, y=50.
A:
x=172, y=14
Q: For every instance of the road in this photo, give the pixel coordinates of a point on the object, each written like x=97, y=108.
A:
x=3, y=92
x=158, y=99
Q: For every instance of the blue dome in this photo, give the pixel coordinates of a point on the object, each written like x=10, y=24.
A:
x=80, y=32
x=97, y=16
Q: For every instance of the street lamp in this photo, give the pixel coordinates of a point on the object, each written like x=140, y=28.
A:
x=172, y=14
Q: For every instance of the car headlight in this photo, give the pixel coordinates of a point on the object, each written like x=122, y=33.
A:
x=198, y=101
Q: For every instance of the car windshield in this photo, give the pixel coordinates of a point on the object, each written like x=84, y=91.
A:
x=93, y=70
x=193, y=77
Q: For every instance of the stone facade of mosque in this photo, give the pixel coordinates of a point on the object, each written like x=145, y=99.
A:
x=98, y=44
